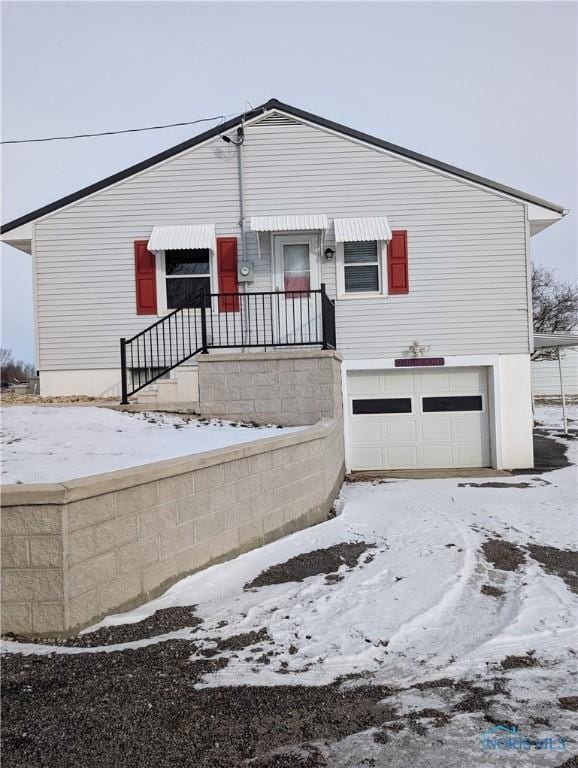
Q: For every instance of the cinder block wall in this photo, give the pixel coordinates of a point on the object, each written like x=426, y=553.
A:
x=278, y=387
x=73, y=552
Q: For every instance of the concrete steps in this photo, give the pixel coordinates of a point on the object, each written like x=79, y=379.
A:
x=180, y=388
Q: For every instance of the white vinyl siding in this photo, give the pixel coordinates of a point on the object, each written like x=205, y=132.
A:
x=546, y=375
x=467, y=270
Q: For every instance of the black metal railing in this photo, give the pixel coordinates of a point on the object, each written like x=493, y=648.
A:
x=226, y=321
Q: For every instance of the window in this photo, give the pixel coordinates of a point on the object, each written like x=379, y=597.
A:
x=361, y=267
x=187, y=277
x=452, y=403
x=296, y=267
x=382, y=405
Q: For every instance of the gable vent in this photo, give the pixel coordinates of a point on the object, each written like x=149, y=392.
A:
x=276, y=119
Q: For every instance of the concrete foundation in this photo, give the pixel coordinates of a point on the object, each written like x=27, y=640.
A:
x=289, y=388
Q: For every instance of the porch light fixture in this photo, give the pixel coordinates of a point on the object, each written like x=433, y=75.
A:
x=329, y=253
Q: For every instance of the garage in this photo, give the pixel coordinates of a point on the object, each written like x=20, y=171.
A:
x=419, y=418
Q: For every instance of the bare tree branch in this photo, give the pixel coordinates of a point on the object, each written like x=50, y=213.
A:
x=555, y=307
x=13, y=371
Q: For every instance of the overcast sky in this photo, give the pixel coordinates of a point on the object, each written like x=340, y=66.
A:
x=490, y=87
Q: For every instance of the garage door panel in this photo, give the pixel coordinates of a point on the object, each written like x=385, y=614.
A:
x=366, y=432
x=363, y=384
x=469, y=380
x=400, y=457
x=402, y=430
x=433, y=430
x=396, y=383
x=433, y=381
x=449, y=430
x=469, y=429
x=367, y=457
x=440, y=455
x=472, y=456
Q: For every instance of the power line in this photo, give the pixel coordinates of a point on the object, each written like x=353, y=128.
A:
x=115, y=133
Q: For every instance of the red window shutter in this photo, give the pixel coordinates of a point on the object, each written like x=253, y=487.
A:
x=146, y=279
x=397, y=269
x=227, y=269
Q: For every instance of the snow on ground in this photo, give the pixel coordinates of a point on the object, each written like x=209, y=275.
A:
x=417, y=590
x=43, y=444
x=410, y=611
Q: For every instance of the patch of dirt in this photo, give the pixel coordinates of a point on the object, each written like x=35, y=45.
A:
x=499, y=721
x=306, y=757
x=312, y=564
x=487, y=589
x=572, y=434
x=559, y=562
x=520, y=662
x=375, y=478
x=438, y=717
x=382, y=736
x=414, y=722
x=569, y=702
x=159, y=623
x=238, y=642
x=12, y=398
x=503, y=554
x=477, y=699
x=443, y=682
x=549, y=454
x=536, y=721
x=495, y=484
x=140, y=707
x=572, y=762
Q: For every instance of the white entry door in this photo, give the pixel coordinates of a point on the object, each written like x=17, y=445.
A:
x=419, y=418
x=295, y=274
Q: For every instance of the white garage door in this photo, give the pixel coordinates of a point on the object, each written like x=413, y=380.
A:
x=418, y=418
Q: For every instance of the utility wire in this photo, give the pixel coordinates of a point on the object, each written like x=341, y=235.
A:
x=115, y=133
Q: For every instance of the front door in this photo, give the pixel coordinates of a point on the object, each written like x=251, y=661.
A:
x=295, y=275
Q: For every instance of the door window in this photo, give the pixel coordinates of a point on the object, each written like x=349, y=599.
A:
x=296, y=267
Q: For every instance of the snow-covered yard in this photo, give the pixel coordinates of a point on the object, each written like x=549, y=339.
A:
x=44, y=444
x=456, y=610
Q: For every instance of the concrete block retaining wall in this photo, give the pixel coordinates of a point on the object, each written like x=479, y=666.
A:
x=75, y=551
x=276, y=387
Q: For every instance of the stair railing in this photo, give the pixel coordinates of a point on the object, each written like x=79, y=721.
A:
x=294, y=318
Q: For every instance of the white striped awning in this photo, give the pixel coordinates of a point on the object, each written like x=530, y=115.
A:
x=359, y=230
x=288, y=223
x=182, y=236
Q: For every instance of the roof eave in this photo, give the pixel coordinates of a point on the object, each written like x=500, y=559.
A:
x=417, y=156
x=131, y=170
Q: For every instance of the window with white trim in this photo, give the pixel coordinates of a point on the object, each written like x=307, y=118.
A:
x=187, y=277
x=361, y=267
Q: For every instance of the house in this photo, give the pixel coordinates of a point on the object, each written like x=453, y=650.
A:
x=546, y=375
x=281, y=229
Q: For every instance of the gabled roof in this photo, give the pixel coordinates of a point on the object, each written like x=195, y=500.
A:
x=274, y=104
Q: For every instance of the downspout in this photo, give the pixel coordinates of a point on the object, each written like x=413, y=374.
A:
x=244, y=251
x=239, y=144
